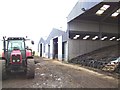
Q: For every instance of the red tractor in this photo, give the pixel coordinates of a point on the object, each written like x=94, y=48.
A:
x=17, y=57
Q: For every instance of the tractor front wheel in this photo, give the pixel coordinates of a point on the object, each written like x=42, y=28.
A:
x=30, y=68
x=3, y=69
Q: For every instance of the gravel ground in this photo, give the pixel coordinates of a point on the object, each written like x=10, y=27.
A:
x=54, y=74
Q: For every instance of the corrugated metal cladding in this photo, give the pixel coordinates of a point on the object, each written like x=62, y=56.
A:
x=83, y=25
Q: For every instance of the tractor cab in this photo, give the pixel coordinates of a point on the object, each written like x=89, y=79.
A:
x=16, y=45
x=15, y=51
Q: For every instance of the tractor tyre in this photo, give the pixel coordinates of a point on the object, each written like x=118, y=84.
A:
x=3, y=69
x=30, y=68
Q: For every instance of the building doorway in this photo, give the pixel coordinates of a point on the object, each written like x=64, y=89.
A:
x=55, y=48
x=41, y=50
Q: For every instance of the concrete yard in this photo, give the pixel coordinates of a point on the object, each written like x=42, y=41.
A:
x=55, y=74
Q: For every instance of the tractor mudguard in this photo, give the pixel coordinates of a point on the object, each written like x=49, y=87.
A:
x=28, y=53
x=3, y=56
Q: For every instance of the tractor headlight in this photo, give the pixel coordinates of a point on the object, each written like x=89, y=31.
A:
x=18, y=60
x=13, y=60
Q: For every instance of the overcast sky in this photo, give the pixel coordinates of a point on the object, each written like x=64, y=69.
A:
x=33, y=18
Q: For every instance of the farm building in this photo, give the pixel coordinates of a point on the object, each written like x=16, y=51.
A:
x=90, y=26
x=55, y=47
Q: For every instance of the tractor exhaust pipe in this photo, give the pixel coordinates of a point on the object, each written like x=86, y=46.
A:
x=4, y=45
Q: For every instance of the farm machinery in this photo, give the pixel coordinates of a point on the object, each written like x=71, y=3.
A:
x=17, y=57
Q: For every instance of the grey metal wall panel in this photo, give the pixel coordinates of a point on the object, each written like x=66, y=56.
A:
x=92, y=26
x=65, y=37
x=84, y=26
x=79, y=47
x=109, y=28
x=66, y=51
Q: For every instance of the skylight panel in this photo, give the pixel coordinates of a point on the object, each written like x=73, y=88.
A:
x=102, y=9
x=105, y=7
x=99, y=12
x=115, y=14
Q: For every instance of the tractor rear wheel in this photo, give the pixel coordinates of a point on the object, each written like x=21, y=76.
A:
x=30, y=68
x=3, y=70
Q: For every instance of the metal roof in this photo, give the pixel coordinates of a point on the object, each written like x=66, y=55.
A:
x=78, y=8
x=54, y=33
x=91, y=9
x=42, y=40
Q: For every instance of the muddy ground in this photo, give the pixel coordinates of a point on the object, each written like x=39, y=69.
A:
x=54, y=74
